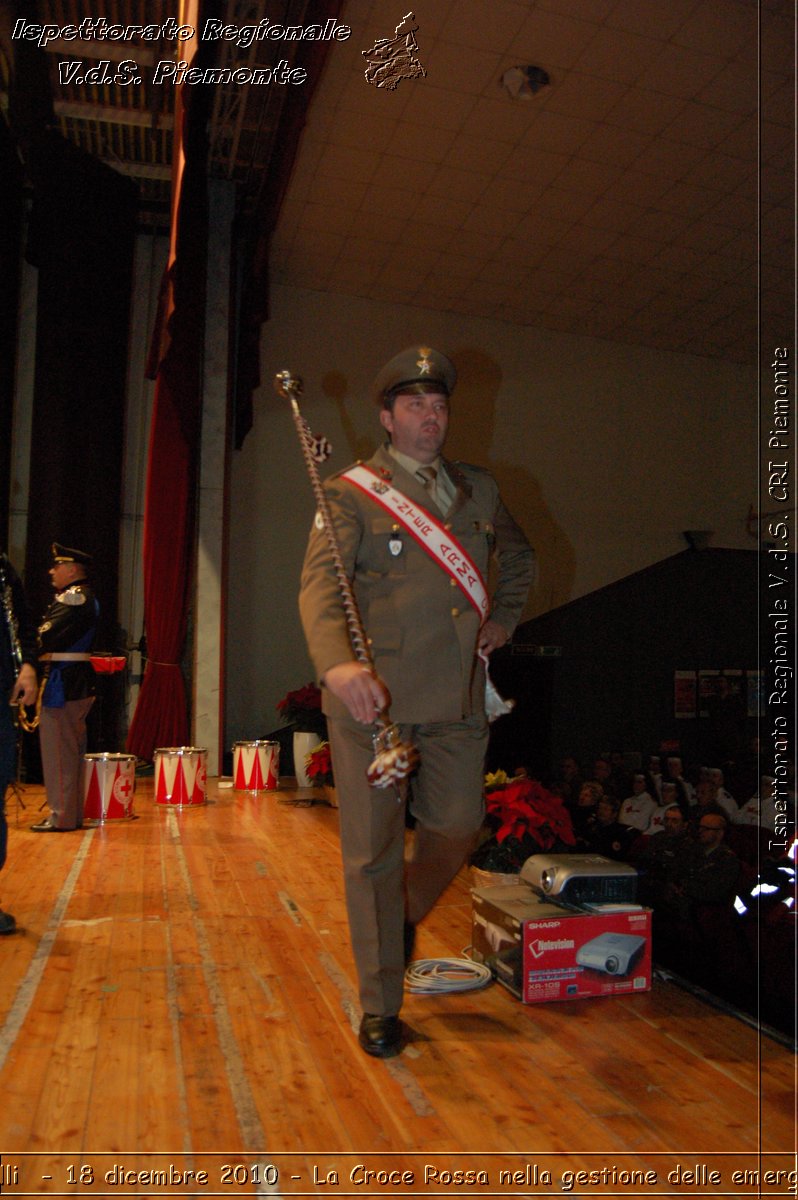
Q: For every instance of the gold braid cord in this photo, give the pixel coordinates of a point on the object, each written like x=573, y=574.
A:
x=29, y=724
x=393, y=759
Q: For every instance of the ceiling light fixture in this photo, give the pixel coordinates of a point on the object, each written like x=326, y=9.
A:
x=521, y=83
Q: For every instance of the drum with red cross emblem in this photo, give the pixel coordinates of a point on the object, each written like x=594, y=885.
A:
x=109, y=782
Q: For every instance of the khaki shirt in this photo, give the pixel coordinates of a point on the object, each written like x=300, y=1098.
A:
x=422, y=630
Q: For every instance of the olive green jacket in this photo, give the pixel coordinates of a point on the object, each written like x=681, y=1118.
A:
x=421, y=629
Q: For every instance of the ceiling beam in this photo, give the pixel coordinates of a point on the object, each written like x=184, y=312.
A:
x=77, y=111
x=113, y=51
x=140, y=170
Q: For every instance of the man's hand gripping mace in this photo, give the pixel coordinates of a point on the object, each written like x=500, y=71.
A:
x=393, y=760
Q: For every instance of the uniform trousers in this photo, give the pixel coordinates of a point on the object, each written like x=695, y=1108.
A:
x=383, y=887
x=62, y=739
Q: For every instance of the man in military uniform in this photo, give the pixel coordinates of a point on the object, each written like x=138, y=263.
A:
x=19, y=684
x=66, y=637
x=430, y=636
x=708, y=872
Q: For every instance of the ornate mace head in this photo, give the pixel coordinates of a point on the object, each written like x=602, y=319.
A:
x=393, y=760
x=288, y=385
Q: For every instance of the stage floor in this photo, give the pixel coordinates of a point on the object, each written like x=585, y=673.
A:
x=180, y=999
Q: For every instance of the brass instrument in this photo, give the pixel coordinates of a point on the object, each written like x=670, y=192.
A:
x=6, y=598
x=393, y=760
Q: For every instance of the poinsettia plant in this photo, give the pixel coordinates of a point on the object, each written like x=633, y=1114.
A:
x=318, y=765
x=302, y=709
x=524, y=819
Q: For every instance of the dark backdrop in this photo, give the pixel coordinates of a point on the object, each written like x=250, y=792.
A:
x=610, y=685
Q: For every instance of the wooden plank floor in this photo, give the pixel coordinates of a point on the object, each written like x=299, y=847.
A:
x=181, y=996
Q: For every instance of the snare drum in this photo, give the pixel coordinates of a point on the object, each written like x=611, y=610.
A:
x=180, y=774
x=256, y=766
x=109, y=781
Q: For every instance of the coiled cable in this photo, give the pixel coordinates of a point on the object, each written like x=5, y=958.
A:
x=431, y=976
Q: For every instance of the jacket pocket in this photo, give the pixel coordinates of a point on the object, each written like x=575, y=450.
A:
x=388, y=547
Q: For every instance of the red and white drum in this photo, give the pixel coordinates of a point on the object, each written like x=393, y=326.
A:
x=180, y=775
x=109, y=781
x=256, y=766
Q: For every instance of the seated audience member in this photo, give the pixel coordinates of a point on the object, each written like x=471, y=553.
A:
x=638, y=809
x=761, y=808
x=602, y=774
x=699, y=931
x=589, y=795
x=723, y=797
x=674, y=770
x=658, y=860
x=604, y=834
x=708, y=795
x=672, y=793
x=708, y=871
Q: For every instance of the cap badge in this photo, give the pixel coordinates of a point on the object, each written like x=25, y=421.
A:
x=424, y=365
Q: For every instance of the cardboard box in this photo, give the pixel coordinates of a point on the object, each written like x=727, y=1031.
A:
x=541, y=951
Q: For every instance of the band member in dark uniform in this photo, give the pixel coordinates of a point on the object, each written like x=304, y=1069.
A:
x=18, y=685
x=431, y=630
x=66, y=637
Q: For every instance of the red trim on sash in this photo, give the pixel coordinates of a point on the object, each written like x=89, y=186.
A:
x=439, y=543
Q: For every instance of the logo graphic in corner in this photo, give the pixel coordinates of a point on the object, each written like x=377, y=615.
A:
x=542, y=945
x=393, y=59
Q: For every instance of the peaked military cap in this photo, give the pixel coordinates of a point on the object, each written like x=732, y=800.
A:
x=417, y=364
x=64, y=554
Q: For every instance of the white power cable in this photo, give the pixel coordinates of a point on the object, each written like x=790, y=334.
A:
x=430, y=976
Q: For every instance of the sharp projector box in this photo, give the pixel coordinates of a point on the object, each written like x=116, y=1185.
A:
x=541, y=951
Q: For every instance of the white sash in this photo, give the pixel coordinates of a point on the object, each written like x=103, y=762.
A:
x=438, y=542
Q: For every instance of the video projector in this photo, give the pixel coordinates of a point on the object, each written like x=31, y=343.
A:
x=580, y=878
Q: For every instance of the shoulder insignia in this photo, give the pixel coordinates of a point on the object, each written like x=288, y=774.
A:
x=464, y=466
x=73, y=596
x=458, y=478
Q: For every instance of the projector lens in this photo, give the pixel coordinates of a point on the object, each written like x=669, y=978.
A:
x=547, y=880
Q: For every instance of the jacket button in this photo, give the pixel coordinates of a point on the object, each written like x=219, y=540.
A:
x=455, y=612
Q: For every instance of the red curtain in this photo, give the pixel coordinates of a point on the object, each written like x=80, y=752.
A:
x=161, y=716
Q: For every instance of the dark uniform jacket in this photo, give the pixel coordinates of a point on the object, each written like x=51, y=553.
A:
x=422, y=630
x=709, y=878
x=24, y=628
x=70, y=624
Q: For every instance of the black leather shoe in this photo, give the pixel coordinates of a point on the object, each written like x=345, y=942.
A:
x=7, y=923
x=381, y=1037
x=46, y=826
x=410, y=942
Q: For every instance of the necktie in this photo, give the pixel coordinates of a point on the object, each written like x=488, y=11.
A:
x=428, y=475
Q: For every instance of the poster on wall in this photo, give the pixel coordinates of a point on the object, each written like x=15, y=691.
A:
x=684, y=694
x=707, y=688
